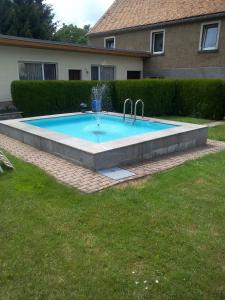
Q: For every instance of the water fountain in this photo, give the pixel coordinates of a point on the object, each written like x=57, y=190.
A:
x=100, y=101
x=98, y=92
x=97, y=101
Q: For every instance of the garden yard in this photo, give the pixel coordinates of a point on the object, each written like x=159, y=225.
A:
x=157, y=238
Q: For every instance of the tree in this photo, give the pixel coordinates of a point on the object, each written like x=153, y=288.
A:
x=6, y=16
x=27, y=18
x=72, y=34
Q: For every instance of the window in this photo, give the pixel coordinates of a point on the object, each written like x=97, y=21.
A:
x=74, y=74
x=133, y=75
x=107, y=73
x=37, y=71
x=95, y=73
x=157, y=41
x=209, y=36
x=102, y=73
x=49, y=71
x=109, y=42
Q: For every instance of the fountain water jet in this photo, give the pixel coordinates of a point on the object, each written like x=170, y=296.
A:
x=98, y=92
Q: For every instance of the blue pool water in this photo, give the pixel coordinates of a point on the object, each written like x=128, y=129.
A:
x=110, y=127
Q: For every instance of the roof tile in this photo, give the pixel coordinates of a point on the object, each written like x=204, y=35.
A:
x=131, y=13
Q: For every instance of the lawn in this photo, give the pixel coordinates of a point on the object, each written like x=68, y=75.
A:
x=186, y=119
x=215, y=133
x=161, y=238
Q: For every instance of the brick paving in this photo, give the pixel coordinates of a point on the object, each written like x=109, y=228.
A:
x=88, y=181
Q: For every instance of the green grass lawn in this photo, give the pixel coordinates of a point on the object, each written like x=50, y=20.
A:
x=217, y=133
x=186, y=119
x=56, y=243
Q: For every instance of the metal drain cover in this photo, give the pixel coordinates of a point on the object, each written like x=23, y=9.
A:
x=116, y=173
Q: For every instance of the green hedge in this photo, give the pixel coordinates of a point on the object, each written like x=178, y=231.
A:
x=203, y=98
x=35, y=98
x=158, y=95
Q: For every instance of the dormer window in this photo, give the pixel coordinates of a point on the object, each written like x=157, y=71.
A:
x=209, y=36
x=110, y=42
x=158, y=41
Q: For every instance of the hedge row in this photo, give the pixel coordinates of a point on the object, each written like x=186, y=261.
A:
x=36, y=98
x=158, y=95
x=203, y=98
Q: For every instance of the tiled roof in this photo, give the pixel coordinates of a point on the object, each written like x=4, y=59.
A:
x=131, y=13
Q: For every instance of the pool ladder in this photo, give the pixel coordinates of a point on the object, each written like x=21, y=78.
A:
x=124, y=108
x=134, y=116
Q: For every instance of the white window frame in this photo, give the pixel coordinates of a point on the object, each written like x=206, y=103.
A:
x=201, y=36
x=42, y=67
x=110, y=38
x=152, y=42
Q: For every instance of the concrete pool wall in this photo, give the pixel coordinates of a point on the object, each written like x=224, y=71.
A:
x=109, y=154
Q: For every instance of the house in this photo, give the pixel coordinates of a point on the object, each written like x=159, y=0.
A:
x=30, y=59
x=186, y=38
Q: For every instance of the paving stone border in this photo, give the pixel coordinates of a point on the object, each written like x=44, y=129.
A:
x=215, y=124
x=88, y=181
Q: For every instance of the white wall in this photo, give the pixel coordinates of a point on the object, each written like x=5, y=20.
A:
x=10, y=56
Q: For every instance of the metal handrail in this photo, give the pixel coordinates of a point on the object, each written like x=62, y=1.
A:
x=135, y=109
x=124, y=108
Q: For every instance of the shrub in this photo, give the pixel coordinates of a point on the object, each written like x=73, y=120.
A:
x=158, y=95
x=203, y=98
x=35, y=98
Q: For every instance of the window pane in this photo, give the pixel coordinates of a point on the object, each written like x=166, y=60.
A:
x=110, y=43
x=30, y=71
x=158, y=42
x=107, y=73
x=50, y=71
x=94, y=73
x=210, y=34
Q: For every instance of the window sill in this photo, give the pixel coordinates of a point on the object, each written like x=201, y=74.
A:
x=158, y=54
x=208, y=51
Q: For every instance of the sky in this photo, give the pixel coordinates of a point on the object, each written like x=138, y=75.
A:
x=79, y=12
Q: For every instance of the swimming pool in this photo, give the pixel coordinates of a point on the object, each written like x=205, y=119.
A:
x=115, y=142
x=99, y=128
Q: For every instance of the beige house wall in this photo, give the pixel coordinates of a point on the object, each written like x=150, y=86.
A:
x=133, y=40
x=181, y=58
x=10, y=56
